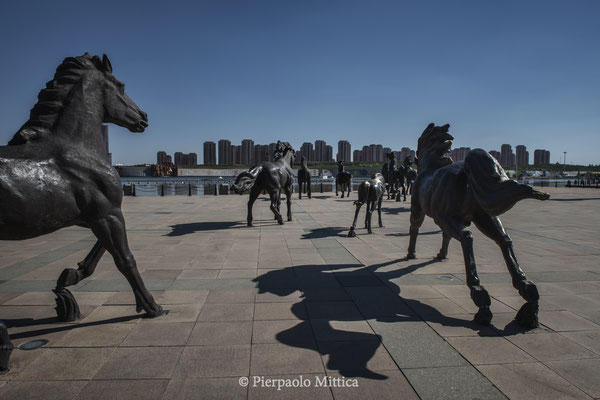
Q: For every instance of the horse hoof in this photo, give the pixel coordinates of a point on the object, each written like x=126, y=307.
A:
x=483, y=316
x=411, y=256
x=155, y=313
x=66, y=308
x=290, y=219
x=280, y=221
x=250, y=225
x=527, y=316
x=440, y=256
x=351, y=234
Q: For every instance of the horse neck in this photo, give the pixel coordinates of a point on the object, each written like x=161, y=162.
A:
x=340, y=168
x=79, y=124
x=430, y=162
x=286, y=158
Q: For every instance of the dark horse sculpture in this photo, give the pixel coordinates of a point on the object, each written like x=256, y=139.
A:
x=392, y=176
x=343, y=180
x=456, y=194
x=272, y=177
x=304, y=179
x=55, y=173
x=371, y=192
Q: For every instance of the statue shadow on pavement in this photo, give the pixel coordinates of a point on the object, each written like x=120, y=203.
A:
x=329, y=294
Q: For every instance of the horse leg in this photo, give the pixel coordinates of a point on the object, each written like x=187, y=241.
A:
x=112, y=235
x=492, y=228
x=444, y=250
x=278, y=203
x=288, y=201
x=300, y=189
x=343, y=190
x=404, y=192
x=352, y=233
x=66, y=306
x=336, y=187
x=274, y=200
x=6, y=347
x=455, y=228
x=416, y=220
x=349, y=188
x=371, y=204
x=309, y=188
x=254, y=193
x=379, y=210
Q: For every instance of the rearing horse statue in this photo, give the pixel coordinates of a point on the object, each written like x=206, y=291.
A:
x=55, y=173
x=273, y=177
x=456, y=194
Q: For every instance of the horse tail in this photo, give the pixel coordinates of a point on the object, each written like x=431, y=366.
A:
x=246, y=179
x=491, y=188
x=363, y=193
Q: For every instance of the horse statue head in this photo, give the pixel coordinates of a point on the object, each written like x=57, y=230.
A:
x=340, y=166
x=281, y=149
x=433, y=147
x=83, y=93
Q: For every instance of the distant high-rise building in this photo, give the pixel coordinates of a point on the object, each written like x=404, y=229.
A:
x=344, y=150
x=320, y=150
x=169, y=159
x=375, y=153
x=210, y=153
x=247, y=152
x=386, y=150
x=260, y=151
x=522, y=156
x=328, y=153
x=506, y=154
x=459, y=153
x=271, y=149
x=495, y=154
x=357, y=156
x=307, y=151
x=225, y=152
x=161, y=157
x=541, y=157
x=182, y=159
x=236, y=154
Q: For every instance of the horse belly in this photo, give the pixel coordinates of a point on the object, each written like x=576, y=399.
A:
x=35, y=199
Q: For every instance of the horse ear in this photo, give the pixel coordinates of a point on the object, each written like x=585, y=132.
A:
x=106, y=65
x=446, y=127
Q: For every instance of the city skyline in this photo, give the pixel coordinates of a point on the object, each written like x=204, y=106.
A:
x=501, y=72
x=250, y=153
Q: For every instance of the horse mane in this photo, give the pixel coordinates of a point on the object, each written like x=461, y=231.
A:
x=434, y=140
x=53, y=98
x=281, y=149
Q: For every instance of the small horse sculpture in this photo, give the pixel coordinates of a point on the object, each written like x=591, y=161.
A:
x=55, y=173
x=304, y=179
x=390, y=174
x=343, y=179
x=271, y=177
x=371, y=192
x=456, y=194
x=410, y=175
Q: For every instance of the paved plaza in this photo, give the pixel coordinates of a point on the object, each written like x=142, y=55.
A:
x=305, y=304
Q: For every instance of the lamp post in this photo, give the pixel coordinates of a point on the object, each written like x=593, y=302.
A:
x=564, y=160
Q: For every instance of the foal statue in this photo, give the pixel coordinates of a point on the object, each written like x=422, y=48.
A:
x=456, y=194
x=55, y=173
x=371, y=192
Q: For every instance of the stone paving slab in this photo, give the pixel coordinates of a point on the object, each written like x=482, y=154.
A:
x=303, y=299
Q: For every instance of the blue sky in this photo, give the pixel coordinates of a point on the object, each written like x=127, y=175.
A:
x=518, y=72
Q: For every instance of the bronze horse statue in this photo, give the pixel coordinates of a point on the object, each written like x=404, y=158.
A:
x=55, y=173
x=343, y=180
x=271, y=177
x=304, y=179
x=371, y=192
x=391, y=175
x=456, y=194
